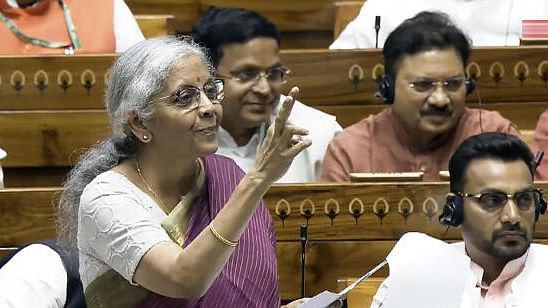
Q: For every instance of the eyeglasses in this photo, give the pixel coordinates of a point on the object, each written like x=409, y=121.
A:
x=275, y=75
x=188, y=98
x=496, y=200
x=451, y=85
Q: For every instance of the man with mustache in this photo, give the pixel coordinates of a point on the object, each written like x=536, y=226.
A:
x=245, y=49
x=495, y=204
x=425, y=88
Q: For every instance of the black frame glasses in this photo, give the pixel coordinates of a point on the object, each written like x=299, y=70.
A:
x=496, y=200
x=428, y=86
x=275, y=75
x=188, y=97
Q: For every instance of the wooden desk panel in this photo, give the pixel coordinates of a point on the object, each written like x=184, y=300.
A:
x=335, y=251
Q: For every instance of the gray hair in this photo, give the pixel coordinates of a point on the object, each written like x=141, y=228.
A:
x=136, y=77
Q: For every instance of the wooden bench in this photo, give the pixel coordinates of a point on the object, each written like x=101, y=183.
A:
x=345, y=12
x=155, y=25
x=303, y=24
x=351, y=227
x=51, y=108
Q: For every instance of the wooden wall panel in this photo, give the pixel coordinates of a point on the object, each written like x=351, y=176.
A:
x=338, y=250
x=51, y=107
x=325, y=78
x=50, y=138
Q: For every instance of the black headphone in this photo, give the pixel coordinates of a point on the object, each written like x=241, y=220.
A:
x=453, y=210
x=387, y=92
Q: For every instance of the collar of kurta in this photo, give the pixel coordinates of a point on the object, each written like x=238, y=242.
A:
x=402, y=136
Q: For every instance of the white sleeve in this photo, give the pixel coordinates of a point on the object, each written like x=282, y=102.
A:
x=126, y=29
x=116, y=227
x=380, y=295
x=34, y=277
x=1, y=178
x=360, y=32
x=2, y=155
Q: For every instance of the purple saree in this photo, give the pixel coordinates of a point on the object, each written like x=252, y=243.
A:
x=250, y=276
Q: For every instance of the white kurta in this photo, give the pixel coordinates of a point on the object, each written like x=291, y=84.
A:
x=34, y=277
x=486, y=22
x=425, y=280
x=306, y=167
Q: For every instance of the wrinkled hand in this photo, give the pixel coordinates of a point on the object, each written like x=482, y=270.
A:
x=282, y=143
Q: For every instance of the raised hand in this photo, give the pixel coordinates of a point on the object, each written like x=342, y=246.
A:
x=282, y=143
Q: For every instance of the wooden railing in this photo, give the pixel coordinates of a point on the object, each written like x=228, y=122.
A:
x=351, y=227
x=51, y=108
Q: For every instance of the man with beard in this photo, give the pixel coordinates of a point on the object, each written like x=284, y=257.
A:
x=425, y=88
x=495, y=204
x=244, y=47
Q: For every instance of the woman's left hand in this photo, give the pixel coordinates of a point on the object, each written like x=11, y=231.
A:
x=282, y=143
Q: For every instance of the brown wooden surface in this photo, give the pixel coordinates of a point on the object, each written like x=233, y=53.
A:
x=52, y=107
x=155, y=25
x=338, y=248
x=186, y=12
x=49, y=138
x=411, y=207
x=287, y=15
x=362, y=294
x=75, y=82
x=322, y=75
x=345, y=12
x=35, y=176
x=311, y=20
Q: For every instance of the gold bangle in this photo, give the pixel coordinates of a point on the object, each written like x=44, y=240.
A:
x=222, y=238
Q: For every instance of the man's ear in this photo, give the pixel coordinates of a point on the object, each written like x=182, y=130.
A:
x=138, y=127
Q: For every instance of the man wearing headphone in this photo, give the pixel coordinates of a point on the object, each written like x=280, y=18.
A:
x=495, y=204
x=425, y=87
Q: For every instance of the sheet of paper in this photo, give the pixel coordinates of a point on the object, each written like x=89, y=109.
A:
x=426, y=272
x=322, y=300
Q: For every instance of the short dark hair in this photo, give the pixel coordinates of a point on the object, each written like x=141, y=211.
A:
x=493, y=145
x=423, y=32
x=223, y=26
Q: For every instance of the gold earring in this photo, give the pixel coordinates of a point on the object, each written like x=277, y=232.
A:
x=145, y=137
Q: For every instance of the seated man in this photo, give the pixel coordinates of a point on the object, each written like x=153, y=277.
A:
x=244, y=47
x=487, y=22
x=66, y=27
x=425, y=86
x=42, y=274
x=494, y=202
x=540, y=142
